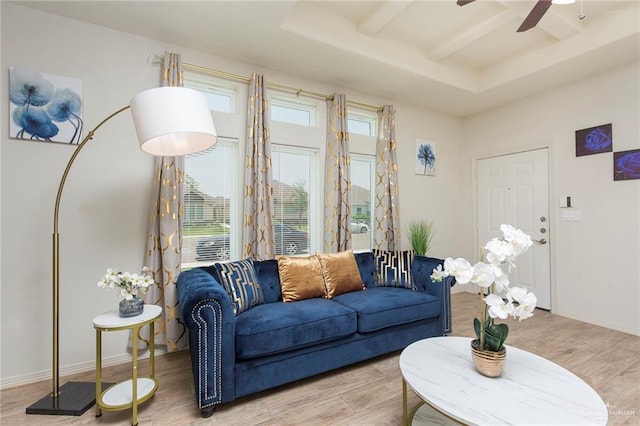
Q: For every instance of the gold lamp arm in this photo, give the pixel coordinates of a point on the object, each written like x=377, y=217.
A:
x=170, y=121
x=72, y=159
x=56, y=254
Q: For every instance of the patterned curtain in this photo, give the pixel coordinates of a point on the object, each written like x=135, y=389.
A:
x=337, y=178
x=258, y=238
x=164, y=241
x=386, y=234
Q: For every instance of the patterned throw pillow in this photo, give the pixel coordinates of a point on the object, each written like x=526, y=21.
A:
x=393, y=268
x=239, y=280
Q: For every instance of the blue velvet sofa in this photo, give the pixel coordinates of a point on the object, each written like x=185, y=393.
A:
x=274, y=343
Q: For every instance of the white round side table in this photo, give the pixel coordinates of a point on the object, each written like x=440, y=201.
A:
x=129, y=393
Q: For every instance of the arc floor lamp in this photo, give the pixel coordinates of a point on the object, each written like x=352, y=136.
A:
x=169, y=121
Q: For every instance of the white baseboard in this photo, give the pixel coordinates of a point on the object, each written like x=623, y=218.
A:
x=68, y=370
x=578, y=317
x=605, y=324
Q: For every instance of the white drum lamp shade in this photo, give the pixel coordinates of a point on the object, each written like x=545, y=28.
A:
x=173, y=121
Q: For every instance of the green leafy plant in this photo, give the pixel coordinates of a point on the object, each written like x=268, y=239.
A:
x=420, y=234
x=494, y=335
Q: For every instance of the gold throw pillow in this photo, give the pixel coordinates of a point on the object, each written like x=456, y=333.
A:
x=300, y=278
x=341, y=273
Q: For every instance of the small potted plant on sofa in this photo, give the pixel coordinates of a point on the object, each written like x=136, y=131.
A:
x=420, y=234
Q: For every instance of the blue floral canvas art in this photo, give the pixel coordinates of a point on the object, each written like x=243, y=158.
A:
x=594, y=140
x=626, y=165
x=44, y=107
x=425, y=158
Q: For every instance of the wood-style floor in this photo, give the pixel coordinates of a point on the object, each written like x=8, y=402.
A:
x=368, y=393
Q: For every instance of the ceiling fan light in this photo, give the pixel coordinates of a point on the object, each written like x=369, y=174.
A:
x=563, y=1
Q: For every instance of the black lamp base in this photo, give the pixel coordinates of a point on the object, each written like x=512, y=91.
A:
x=74, y=399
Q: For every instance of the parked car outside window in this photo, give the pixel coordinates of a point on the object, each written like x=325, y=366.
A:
x=359, y=228
x=289, y=241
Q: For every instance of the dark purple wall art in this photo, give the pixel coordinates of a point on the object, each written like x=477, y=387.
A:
x=626, y=165
x=594, y=140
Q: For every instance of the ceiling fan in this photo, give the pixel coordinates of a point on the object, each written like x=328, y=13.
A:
x=532, y=19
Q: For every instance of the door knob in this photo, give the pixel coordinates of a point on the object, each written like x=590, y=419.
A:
x=540, y=241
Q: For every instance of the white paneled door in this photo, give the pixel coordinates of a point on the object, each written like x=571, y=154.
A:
x=514, y=189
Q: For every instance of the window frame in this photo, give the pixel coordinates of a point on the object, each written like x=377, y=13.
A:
x=315, y=217
x=368, y=117
x=371, y=160
x=215, y=87
x=289, y=102
x=234, y=209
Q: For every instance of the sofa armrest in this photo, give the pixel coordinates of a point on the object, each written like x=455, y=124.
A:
x=208, y=314
x=421, y=269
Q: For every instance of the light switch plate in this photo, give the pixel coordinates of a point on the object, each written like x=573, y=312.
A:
x=571, y=215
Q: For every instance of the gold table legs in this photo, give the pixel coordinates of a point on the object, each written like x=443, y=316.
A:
x=407, y=417
x=135, y=399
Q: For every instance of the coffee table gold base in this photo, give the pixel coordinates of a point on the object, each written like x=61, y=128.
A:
x=426, y=414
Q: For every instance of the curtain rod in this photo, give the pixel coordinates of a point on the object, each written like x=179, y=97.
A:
x=277, y=86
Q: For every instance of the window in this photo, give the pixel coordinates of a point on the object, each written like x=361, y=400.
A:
x=209, y=228
x=219, y=98
x=362, y=172
x=362, y=123
x=293, y=111
x=294, y=183
x=213, y=203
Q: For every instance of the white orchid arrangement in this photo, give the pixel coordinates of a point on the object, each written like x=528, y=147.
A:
x=128, y=283
x=500, y=300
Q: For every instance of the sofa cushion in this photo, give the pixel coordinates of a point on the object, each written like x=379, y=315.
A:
x=279, y=327
x=382, y=307
x=269, y=279
x=241, y=284
x=367, y=268
x=393, y=268
x=340, y=272
x=300, y=278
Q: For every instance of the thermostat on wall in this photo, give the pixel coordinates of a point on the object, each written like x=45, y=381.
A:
x=566, y=201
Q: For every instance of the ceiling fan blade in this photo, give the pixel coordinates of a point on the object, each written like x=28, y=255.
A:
x=463, y=2
x=535, y=15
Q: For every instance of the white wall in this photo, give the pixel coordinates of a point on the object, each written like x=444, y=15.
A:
x=434, y=198
x=104, y=208
x=103, y=217
x=595, y=261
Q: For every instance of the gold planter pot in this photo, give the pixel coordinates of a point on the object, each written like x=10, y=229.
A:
x=488, y=363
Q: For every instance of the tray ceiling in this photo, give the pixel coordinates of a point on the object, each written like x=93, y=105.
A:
x=459, y=60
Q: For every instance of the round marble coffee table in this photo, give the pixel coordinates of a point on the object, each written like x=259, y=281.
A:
x=532, y=390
